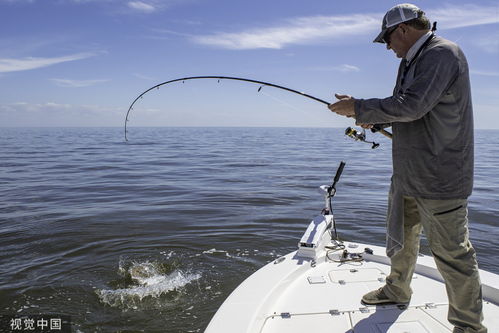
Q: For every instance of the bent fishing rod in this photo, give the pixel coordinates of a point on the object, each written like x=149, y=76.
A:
x=261, y=83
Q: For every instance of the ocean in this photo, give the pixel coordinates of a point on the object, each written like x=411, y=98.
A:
x=154, y=233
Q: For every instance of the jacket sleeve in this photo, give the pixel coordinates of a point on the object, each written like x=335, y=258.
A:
x=435, y=71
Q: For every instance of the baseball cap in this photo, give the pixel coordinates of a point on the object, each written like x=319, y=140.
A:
x=396, y=15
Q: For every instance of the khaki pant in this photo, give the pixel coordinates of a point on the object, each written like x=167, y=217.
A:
x=445, y=223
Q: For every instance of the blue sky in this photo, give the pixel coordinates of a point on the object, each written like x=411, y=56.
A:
x=82, y=62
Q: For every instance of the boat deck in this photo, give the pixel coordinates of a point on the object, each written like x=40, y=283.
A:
x=295, y=295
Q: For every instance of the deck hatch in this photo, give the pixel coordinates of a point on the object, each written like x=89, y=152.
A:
x=356, y=275
x=391, y=319
x=316, y=280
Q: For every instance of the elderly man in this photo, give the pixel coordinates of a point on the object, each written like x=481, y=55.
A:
x=431, y=115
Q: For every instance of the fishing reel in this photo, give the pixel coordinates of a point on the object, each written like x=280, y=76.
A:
x=360, y=136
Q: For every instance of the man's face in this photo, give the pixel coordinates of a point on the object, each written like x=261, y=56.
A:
x=397, y=42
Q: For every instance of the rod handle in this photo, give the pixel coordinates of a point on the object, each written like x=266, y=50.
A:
x=376, y=128
x=338, y=172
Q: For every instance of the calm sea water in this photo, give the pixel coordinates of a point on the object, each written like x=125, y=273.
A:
x=155, y=233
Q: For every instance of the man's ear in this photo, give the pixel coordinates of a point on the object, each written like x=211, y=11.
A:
x=403, y=27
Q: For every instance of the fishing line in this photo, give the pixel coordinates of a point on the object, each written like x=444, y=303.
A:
x=281, y=101
x=219, y=78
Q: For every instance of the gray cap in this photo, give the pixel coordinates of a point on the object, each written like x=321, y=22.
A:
x=396, y=15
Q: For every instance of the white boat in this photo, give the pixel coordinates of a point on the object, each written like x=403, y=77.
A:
x=319, y=287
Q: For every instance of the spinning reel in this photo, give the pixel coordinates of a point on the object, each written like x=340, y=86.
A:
x=360, y=136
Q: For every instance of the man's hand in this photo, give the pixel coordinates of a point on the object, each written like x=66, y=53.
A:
x=345, y=106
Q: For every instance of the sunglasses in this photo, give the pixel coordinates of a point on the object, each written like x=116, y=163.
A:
x=388, y=33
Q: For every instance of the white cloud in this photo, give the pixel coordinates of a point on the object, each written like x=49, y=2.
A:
x=312, y=29
x=77, y=83
x=15, y=1
x=451, y=17
x=348, y=68
x=489, y=43
x=484, y=73
x=24, y=64
x=57, y=114
x=141, y=6
x=297, y=31
x=171, y=32
x=144, y=77
x=344, y=68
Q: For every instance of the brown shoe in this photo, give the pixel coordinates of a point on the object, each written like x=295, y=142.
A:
x=378, y=297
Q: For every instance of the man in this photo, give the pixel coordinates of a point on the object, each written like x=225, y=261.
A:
x=432, y=120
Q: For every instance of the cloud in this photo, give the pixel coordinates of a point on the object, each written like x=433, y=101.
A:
x=141, y=6
x=484, y=73
x=489, y=43
x=344, y=68
x=77, y=83
x=297, y=31
x=145, y=6
x=348, y=68
x=16, y=1
x=144, y=77
x=312, y=29
x=174, y=33
x=451, y=17
x=57, y=114
x=24, y=64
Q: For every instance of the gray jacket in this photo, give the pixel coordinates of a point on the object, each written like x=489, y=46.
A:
x=432, y=120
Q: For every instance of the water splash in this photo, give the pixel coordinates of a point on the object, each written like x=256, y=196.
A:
x=143, y=281
x=215, y=251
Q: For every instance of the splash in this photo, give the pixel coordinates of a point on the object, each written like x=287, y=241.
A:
x=145, y=280
x=215, y=251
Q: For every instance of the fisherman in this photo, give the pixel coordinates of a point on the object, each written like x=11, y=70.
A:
x=431, y=116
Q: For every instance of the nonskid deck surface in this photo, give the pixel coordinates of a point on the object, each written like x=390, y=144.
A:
x=326, y=298
x=295, y=295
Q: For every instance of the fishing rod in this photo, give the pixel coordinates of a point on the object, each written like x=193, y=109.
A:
x=262, y=83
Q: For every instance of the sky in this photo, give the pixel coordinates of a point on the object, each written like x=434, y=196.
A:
x=83, y=62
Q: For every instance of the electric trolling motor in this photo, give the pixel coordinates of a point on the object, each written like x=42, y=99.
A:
x=315, y=238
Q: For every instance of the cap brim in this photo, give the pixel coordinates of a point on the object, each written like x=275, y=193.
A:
x=379, y=38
